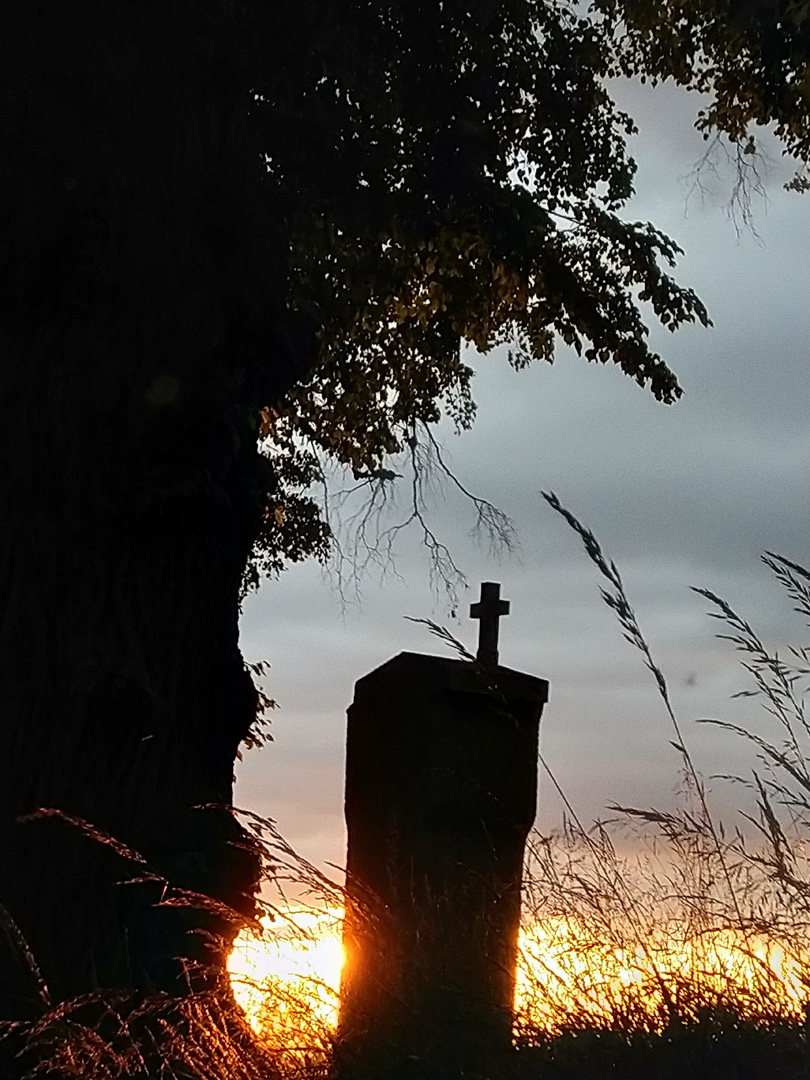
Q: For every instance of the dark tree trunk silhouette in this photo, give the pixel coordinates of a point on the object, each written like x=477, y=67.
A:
x=139, y=278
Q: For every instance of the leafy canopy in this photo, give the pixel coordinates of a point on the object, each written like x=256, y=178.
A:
x=448, y=172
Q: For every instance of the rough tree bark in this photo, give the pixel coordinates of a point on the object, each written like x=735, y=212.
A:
x=138, y=286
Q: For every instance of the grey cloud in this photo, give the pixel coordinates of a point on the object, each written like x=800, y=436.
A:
x=682, y=495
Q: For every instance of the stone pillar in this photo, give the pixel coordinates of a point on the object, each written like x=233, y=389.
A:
x=441, y=786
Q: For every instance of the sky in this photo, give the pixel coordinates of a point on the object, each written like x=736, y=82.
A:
x=684, y=495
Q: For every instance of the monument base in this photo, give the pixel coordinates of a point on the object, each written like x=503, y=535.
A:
x=441, y=787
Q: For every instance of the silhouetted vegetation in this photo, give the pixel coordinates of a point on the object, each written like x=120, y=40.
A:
x=689, y=894
x=241, y=240
x=660, y=943
x=631, y=976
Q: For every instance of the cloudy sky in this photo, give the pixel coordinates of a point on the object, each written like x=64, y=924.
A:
x=680, y=495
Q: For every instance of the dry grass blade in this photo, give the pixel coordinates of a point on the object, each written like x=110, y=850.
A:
x=618, y=602
x=794, y=577
x=202, y=902
x=444, y=635
x=87, y=828
x=20, y=946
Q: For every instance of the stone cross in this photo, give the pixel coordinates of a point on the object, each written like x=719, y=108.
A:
x=489, y=609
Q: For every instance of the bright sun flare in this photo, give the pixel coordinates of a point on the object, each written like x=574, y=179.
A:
x=289, y=976
x=287, y=980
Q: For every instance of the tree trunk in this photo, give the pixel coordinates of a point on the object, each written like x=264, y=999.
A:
x=137, y=298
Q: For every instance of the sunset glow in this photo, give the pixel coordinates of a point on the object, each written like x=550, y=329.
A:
x=566, y=977
x=287, y=981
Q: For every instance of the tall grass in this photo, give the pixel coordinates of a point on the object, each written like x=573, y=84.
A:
x=298, y=903
x=663, y=940
x=700, y=938
x=659, y=943
x=116, y=1034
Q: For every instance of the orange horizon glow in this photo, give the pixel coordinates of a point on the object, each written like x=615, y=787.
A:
x=287, y=980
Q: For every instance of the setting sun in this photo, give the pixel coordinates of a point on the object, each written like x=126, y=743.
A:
x=288, y=977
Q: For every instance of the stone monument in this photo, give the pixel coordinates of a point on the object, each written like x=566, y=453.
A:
x=441, y=787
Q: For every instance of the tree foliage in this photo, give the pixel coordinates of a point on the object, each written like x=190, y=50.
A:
x=449, y=173
x=437, y=173
x=751, y=57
